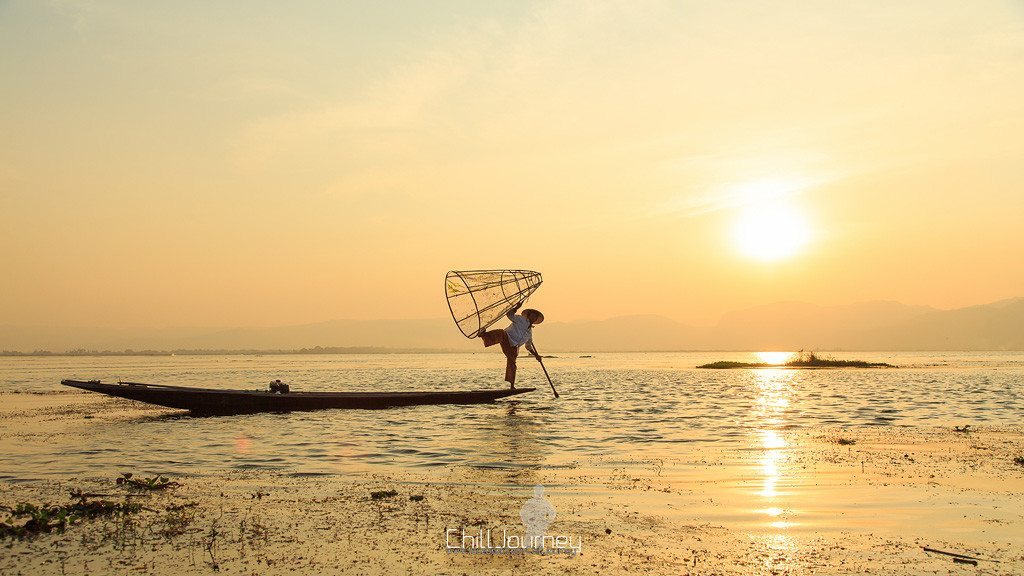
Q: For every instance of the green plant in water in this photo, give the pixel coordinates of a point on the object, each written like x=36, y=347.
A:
x=45, y=518
x=153, y=483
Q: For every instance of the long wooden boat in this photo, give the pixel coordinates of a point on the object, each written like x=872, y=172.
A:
x=215, y=401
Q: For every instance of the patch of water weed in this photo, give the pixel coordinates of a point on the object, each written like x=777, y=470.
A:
x=176, y=520
x=802, y=360
x=45, y=518
x=841, y=440
x=153, y=483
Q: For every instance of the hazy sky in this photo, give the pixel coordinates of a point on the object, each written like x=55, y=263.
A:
x=261, y=163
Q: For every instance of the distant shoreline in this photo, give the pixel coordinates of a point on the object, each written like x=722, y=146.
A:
x=341, y=350
x=242, y=352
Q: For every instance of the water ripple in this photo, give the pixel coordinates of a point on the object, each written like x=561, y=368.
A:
x=629, y=405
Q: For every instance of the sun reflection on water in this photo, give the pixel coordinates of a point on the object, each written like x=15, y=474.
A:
x=774, y=388
x=771, y=443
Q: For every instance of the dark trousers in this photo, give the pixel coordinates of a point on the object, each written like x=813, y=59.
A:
x=492, y=337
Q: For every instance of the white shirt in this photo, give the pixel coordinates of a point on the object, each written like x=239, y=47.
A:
x=519, y=332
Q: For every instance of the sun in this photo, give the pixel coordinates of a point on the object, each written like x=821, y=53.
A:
x=770, y=231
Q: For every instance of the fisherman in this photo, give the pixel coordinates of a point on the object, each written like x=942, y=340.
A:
x=518, y=333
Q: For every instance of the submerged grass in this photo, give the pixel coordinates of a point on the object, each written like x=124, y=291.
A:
x=802, y=360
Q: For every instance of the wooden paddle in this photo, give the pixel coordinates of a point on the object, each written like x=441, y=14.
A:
x=537, y=356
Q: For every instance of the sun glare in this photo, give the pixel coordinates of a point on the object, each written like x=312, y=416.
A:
x=769, y=227
x=774, y=357
x=770, y=231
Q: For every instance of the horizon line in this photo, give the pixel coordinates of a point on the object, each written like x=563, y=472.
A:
x=442, y=317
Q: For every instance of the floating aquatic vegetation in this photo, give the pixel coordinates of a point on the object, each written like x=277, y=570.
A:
x=44, y=518
x=802, y=360
x=153, y=483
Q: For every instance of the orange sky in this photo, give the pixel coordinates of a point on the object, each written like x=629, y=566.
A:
x=192, y=164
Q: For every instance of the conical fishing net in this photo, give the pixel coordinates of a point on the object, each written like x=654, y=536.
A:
x=479, y=298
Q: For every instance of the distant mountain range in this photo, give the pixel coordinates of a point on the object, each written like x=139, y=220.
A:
x=781, y=326
x=798, y=325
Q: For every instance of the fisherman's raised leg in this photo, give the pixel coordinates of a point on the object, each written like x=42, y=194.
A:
x=492, y=337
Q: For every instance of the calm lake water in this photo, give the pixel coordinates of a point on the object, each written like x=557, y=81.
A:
x=614, y=407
